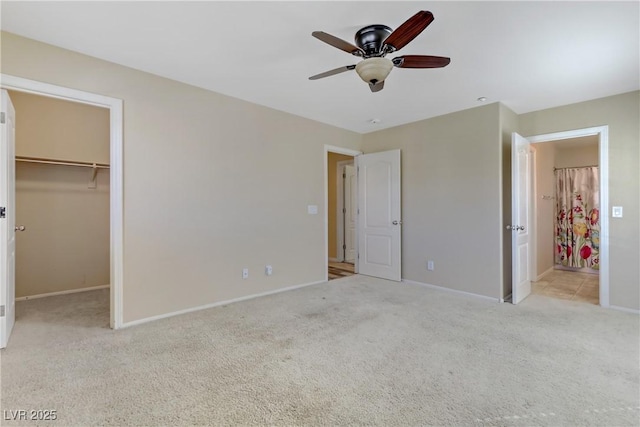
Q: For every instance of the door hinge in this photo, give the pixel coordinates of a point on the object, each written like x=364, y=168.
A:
x=1, y=310
x=344, y=176
x=344, y=210
x=358, y=211
x=344, y=247
x=358, y=255
x=2, y=118
x=3, y=212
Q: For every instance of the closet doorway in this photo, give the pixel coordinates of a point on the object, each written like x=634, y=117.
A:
x=568, y=211
x=7, y=193
x=62, y=201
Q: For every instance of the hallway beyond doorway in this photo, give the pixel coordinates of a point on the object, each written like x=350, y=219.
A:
x=338, y=270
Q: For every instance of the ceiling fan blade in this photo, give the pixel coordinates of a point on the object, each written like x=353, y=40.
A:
x=409, y=30
x=332, y=72
x=339, y=43
x=421, y=61
x=376, y=87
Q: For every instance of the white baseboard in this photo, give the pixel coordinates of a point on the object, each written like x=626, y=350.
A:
x=549, y=270
x=455, y=291
x=625, y=309
x=70, y=291
x=216, y=304
x=507, y=298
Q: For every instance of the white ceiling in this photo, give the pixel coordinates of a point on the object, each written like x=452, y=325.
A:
x=528, y=55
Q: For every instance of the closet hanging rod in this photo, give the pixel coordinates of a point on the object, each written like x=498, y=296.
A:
x=61, y=162
x=576, y=167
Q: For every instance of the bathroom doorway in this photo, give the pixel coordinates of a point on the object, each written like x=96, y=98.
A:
x=568, y=227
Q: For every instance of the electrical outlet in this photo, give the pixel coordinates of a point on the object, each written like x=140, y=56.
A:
x=430, y=265
x=245, y=273
x=268, y=270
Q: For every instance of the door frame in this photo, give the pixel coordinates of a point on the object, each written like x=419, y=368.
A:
x=533, y=214
x=340, y=237
x=116, y=190
x=603, y=164
x=347, y=152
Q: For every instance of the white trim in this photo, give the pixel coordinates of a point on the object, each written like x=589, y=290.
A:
x=340, y=171
x=603, y=163
x=69, y=291
x=217, y=304
x=116, y=189
x=507, y=298
x=576, y=133
x=455, y=291
x=340, y=150
x=624, y=309
x=549, y=270
x=533, y=210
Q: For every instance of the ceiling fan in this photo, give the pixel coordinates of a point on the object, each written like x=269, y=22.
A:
x=374, y=42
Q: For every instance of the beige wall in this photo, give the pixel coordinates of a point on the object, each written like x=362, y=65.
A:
x=573, y=157
x=212, y=184
x=332, y=183
x=451, y=198
x=621, y=113
x=66, y=243
x=57, y=129
x=545, y=155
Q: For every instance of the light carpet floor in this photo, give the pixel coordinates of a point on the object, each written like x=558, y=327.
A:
x=357, y=351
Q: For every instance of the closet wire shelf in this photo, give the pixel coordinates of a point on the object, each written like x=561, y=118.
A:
x=94, y=166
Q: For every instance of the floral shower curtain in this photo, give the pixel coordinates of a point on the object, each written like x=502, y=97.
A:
x=578, y=217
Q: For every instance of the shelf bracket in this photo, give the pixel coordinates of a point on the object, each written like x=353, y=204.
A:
x=94, y=174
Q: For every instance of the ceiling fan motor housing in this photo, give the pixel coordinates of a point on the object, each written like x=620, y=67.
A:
x=371, y=39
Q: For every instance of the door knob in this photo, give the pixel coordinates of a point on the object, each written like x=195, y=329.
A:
x=20, y=228
x=396, y=222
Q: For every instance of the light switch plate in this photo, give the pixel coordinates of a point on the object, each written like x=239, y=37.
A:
x=616, y=211
x=312, y=209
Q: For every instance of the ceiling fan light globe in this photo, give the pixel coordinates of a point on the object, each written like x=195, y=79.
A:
x=374, y=70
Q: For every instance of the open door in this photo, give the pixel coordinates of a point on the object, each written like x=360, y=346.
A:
x=7, y=218
x=520, y=217
x=379, y=221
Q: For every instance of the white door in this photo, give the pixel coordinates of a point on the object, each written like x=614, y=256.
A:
x=379, y=221
x=350, y=213
x=520, y=218
x=8, y=221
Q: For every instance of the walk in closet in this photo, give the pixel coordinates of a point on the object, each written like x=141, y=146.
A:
x=62, y=198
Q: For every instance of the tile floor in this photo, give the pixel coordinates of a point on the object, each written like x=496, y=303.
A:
x=569, y=285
